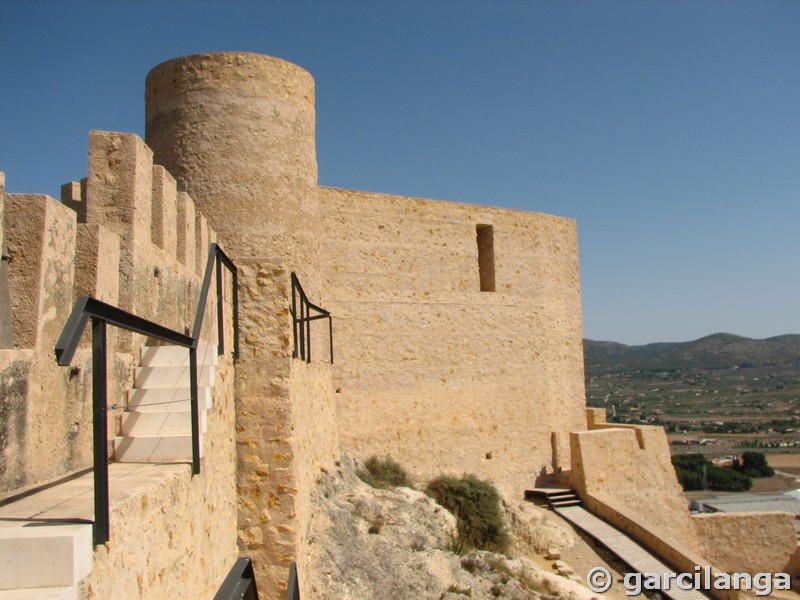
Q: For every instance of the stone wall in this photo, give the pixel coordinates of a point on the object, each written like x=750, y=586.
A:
x=237, y=131
x=316, y=447
x=749, y=542
x=426, y=362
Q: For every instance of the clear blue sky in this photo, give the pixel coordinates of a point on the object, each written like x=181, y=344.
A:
x=669, y=130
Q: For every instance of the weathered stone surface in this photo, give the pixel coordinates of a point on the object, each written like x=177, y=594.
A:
x=395, y=543
x=536, y=530
x=175, y=537
x=40, y=234
x=749, y=542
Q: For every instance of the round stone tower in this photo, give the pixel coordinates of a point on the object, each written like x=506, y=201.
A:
x=237, y=132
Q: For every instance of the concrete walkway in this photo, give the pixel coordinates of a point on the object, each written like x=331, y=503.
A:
x=73, y=500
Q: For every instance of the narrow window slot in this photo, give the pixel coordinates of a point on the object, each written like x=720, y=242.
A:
x=485, y=236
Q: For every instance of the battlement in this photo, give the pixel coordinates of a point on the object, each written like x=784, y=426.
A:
x=125, y=235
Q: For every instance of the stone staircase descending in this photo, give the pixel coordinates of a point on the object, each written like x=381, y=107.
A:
x=157, y=426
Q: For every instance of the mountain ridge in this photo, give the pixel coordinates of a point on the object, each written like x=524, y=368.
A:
x=715, y=351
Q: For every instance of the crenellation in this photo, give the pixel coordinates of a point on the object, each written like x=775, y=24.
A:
x=40, y=234
x=165, y=211
x=186, y=237
x=73, y=195
x=97, y=263
x=118, y=196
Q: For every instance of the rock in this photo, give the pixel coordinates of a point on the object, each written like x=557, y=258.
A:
x=565, y=569
x=398, y=543
x=536, y=530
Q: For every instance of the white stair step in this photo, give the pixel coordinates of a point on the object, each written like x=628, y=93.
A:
x=166, y=399
x=161, y=423
x=155, y=448
x=44, y=556
x=177, y=356
x=49, y=593
x=170, y=377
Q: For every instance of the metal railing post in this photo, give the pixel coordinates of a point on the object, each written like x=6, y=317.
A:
x=308, y=334
x=295, y=322
x=220, y=308
x=293, y=588
x=100, y=431
x=195, y=408
x=301, y=325
x=330, y=335
x=235, y=287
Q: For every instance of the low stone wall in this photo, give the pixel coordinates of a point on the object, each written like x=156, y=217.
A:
x=749, y=542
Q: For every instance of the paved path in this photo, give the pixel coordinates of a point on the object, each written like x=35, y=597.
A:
x=631, y=553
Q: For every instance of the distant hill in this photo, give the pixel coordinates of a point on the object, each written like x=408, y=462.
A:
x=719, y=384
x=717, y=351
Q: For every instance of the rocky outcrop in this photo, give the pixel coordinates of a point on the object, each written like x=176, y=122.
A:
x=398, y=543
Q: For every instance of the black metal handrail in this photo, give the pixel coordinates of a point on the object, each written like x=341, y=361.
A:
x=217, y=256
x=240, y=583
x=293, y=587
x=101, y=314
x=301, y=324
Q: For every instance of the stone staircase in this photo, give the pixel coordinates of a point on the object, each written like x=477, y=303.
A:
x=555, y=497
x=46, y=558
x=157, y=426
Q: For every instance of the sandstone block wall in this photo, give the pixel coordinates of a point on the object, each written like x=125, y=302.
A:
x=425, y=361
x=316, y=443
x=45, y=411
x=442, y=376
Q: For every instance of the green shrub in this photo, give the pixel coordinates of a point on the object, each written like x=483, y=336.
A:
x=476, y=505
x=753, y=464
x=693, y=469
x=383, y=473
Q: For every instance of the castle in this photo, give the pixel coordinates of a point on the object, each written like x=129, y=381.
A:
x=455, y=344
